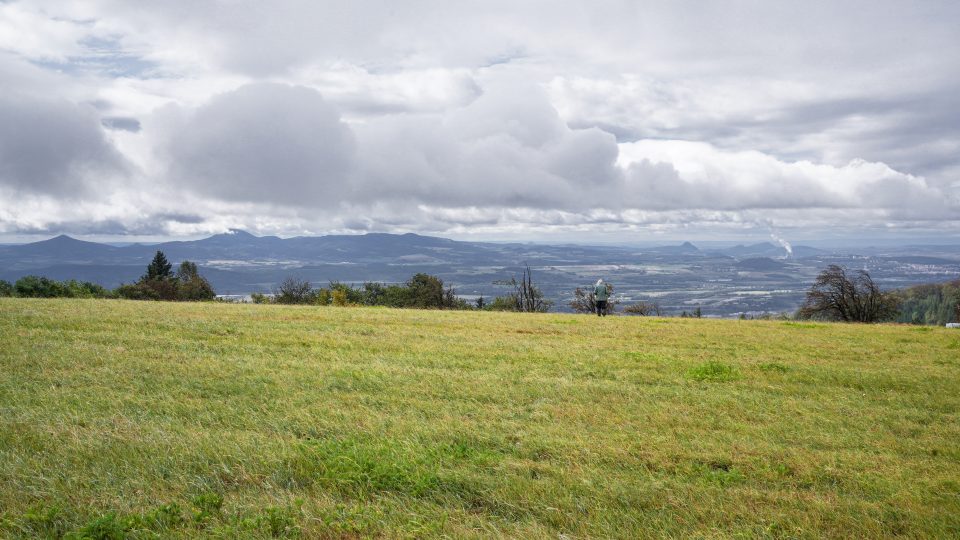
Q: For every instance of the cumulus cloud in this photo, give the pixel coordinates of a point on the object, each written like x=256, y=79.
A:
x=263, y=142
x=301, y=117
x=54, y=147
x=507, y=148
x=682, y=174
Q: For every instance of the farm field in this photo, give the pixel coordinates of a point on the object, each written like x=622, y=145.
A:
x=160, y=420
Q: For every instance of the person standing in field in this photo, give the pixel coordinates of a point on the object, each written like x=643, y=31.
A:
x=600, y=294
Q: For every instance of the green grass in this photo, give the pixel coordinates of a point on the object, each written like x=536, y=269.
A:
x=157, y=420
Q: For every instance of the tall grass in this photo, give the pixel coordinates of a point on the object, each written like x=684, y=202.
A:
x=213, y=420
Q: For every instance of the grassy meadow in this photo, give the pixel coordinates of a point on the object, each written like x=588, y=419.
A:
x=159, y=420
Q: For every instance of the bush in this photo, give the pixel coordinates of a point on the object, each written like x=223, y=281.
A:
x=136, y=291
x=339, y=298
x=502, y=303
x=150, y=289
x=6, y=288
x=39, y=287
x=353, y=296
x=259, y=298
x=293, y=291
x=323, y=297
x=160, y=284
x=86, y=289
x=421, y=291
x=191, y=286
x=644, y=309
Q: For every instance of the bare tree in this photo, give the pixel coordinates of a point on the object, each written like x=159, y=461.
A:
x=838, y=296
x=526, y=297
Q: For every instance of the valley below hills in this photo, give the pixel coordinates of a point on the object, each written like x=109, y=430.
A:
x=726, y=282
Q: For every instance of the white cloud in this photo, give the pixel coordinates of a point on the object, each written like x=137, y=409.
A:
x=301, y=115
x=682, y=174
x=36, y=35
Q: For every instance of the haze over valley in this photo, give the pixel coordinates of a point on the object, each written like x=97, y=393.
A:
x=724, y=281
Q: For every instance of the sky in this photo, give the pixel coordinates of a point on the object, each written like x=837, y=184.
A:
x=568, y=121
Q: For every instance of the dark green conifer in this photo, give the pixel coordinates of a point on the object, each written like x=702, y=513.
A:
x=159, y=268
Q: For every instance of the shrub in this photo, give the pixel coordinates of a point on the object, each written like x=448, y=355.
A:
x=259, y=298
x=6, y=288
x=503, y=303
x=39, y=287
x=86, y=289
x=136, y=291
x=353, y=296
x=191, y=285
x=339, y=298
x=150, y=289
x=160, y=284
x=293, y=291
x=323, y=297
x=643, y=309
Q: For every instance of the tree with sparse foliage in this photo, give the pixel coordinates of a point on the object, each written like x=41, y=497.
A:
x=838, y=296
x=646, y=309
x=585, y=300
x=525, y=297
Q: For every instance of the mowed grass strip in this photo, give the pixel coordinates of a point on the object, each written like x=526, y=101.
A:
x=189, y=420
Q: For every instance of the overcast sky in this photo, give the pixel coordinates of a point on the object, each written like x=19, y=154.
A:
x=598, y=120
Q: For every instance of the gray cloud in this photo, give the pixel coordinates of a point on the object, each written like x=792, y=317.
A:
x=51, y=146
x=264, y=143
x=491, y=115
x=507, y=148
x=119, y=122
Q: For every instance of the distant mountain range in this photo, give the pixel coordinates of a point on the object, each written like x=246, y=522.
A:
x=723, y=281
x=239, y=262
x=237, y=250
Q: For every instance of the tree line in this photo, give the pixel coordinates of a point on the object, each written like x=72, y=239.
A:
x=838, y=294
x=160, y=282
x=421, y=291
